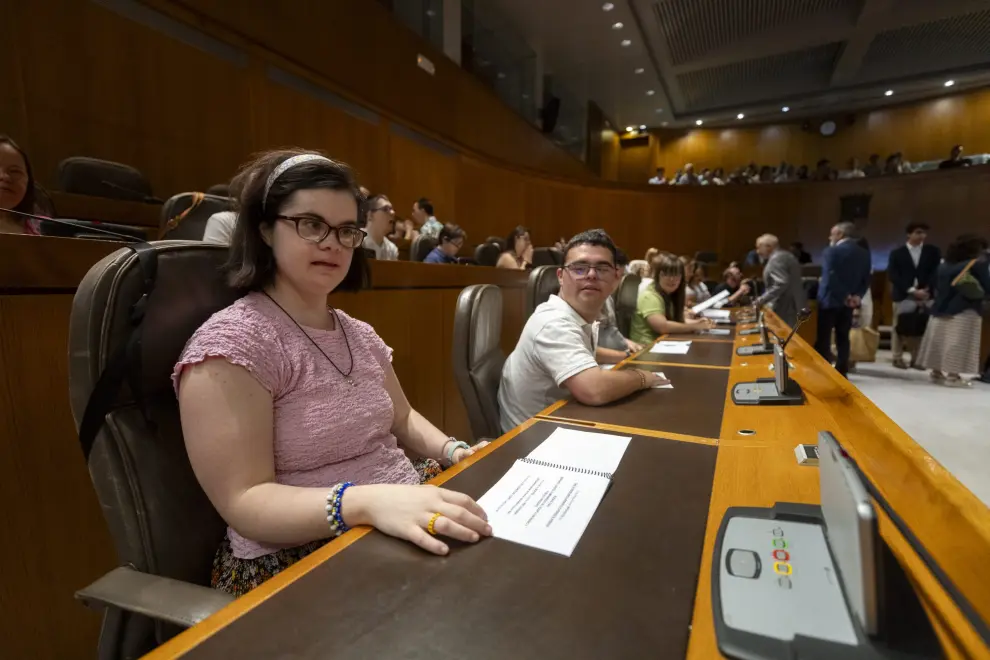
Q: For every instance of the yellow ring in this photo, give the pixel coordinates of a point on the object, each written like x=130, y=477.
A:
x=429, y=525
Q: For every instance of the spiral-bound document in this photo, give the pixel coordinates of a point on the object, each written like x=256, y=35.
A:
x=547, y=499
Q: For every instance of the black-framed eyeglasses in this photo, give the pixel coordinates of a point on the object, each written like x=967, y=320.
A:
x=388, y=208
x=316, y=230
x=583, y=269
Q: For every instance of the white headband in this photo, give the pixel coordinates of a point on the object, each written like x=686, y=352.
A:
x=284, y=166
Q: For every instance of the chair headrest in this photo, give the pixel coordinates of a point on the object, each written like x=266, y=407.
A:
x=421, y=246
x=184, y=215
x=102, y=178
x=547, y=257
x=541, y=285
x=487, y=254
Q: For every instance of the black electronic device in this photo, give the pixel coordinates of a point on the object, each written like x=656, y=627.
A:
x=80, y=228
x=764, y=347
x=779, y=390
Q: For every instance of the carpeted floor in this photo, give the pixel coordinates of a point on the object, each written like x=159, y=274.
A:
x=953, y=425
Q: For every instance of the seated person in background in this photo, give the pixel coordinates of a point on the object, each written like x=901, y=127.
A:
x=660, y=308
x=284, y=402
x=16, y=189
x=689, y=178
x=718, y=177
x=955, y=159
x=854, y=172
x=519, y=250
x=823, y=171
x=696, y=286
x=732, y=281
x=423, y=216
x=555, y=355
x=641, y=267
x=753, y=258
x=220, y=225
x=797, y=249
x=782, y=274
x=802, y=173
x=893, y=164
x=658, y=179
x=612, y=346
x=451, y=240
x=873, y=166
x=379, y=216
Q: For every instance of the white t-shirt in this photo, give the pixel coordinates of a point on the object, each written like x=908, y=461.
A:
x=220, y=227
x=387, y=251
x=555, y=344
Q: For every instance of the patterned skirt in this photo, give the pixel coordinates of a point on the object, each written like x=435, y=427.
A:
x=238, y=576
x=952, y=343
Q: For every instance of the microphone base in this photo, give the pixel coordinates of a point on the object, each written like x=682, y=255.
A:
x=748, y=331
x=764, y=392
x=756, y=349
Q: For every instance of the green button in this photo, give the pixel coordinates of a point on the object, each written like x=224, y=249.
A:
x=779, y=543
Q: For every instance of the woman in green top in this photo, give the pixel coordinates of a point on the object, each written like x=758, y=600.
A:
x=660, y=308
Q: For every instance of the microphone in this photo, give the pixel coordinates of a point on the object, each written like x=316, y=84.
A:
x=74, y=225
x=138, y=195
x=803, y=316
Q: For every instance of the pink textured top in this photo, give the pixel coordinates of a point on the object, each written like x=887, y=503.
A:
x=325, y=430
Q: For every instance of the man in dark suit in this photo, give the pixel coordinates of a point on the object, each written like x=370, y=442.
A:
x=911, y=270
x=845, y=280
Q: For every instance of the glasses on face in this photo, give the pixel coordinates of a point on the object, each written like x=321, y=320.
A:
x=316, y=230
x=387, y=208
x=583, y=269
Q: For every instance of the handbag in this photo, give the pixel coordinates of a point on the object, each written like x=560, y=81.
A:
x=968, y=286
x=913, y=324
x=863, y=344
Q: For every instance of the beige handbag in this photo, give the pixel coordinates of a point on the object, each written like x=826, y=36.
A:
x=863, y=344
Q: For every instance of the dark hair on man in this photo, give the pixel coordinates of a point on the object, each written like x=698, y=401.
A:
x=426, y=205
x=251, y=263
x=26, y=205
x=915, y=226
x=597, y=237
x=669, y=264
x=965, y=247
x=621, y=258
x=510, y=240
x=451, y=232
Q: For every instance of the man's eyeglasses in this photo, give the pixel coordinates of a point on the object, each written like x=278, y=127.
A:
x=316, y=230
x=388, y=208
x=583, y=269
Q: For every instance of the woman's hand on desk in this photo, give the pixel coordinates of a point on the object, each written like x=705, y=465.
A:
x=405, y=512
x=461, y=454
x=701, y=324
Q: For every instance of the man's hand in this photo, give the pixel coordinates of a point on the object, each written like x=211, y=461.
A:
x=921, y=294
x=633, y=346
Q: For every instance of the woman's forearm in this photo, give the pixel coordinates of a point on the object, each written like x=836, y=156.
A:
x=277, y=514
x=420, y=437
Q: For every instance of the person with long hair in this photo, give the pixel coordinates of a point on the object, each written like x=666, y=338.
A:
x=294, y=421
x=518, y=253
x=660, y=308
x=697, y=290
x=951, y=345
x=17, y=189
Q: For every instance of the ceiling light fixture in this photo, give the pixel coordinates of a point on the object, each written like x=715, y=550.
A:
x=608, y=6
x=740, y=116
x=643, y=127
x=950, y=83
x=650, y=92
x=501, y=75
x=626, y=42
x=639, y=70
x=617, y=26
x=698, y=122
x=659, y=110
x=786, y=108
x=889, y=92
x=630, y=129
x=663, y=123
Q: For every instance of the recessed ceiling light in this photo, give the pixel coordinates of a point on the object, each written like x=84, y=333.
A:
x=650, y=92
x=698, y=122
x=639, y=70
x=643, y=127
x=785, y=109
x=740, y=116
x=617, y=26
x=626, y=42
x=889, y=92
x=629, y=129
x=950, y=83
x=608, y=6
x=663, y=123
x=501, y=75
x=525, y=96
x=659, y=110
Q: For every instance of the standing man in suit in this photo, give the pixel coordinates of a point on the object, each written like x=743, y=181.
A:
x=845, y=280
x=911, y=270
x=782, y=274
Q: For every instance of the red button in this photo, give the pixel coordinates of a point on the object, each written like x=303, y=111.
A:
x=781, y=555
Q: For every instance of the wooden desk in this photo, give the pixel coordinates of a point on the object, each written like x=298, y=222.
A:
x=56, y=540
x=104, y=209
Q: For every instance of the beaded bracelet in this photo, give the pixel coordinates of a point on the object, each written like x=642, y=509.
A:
x=334, y=497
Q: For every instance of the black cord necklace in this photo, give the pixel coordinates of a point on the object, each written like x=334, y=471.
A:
x=347, y=376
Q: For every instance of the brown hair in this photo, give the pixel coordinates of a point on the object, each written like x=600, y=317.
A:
x=666, y=263
x=26, y=205
x=251, y=263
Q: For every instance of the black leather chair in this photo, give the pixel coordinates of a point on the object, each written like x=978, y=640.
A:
x=103, y=178
x=626, y=297
x=165, y=529
x=478, y=357
x=421, y=246
x=487, y=254
x=184, y=215
x=500, y=242
x=541, y=285
x=548, y=257
x=219, y=189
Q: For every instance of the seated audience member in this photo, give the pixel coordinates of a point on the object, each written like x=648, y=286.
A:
x=784, y=287
x=519, y=250
x=955, y=159
x=754, y=258
x=854, y=171
x=911, y=270
x=718, y=177
x=951, y=345
x=802, y=173
x=425, y=220
x=893, y=164
x=642, y=266
x=689, y=178
x=451, y=240
x=797, y=249
x=660, y=308
x=17, y=189
x=696, y=286
x=402, y=230
x=823, y=171
x=732, y=281
x=284, y=402
x=220, y=225
x=786, y=175
x=379, y=218
x=658, y=179
x=555, y=355
x=873, y=166
x=765, y=175
x=612, y=346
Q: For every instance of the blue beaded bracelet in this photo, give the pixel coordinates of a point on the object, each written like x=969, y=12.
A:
x=334, y=517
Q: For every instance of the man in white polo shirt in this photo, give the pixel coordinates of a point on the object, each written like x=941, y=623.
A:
x=555, y=356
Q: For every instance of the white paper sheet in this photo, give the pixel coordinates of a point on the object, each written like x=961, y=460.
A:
x=671, y=347
x=668, y=386
x=717, y=314
x=599, y=452
x=711, y=302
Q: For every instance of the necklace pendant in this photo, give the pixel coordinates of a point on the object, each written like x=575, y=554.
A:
x=349, y=380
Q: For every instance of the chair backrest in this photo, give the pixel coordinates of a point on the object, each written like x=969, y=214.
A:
x=219, y=189
x=421, y=246
x=102, y=178
x=497, y=240
x=487, y=254
x=184, y=215
x=548, y=257
x=541, y=284
x=706, y=257
x=160, y=519
x=478, y=357
x=626, y=297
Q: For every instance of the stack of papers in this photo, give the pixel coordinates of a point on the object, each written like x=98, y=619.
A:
x=671, y=347
x=717, y=314
x=714, y=302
